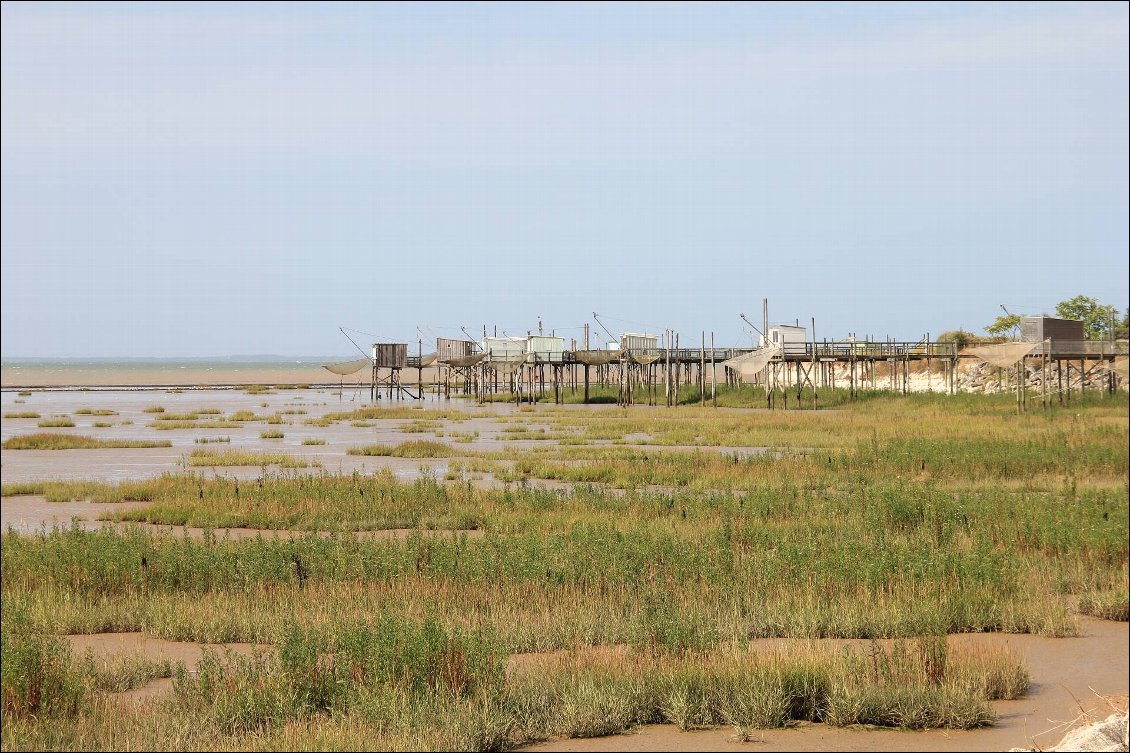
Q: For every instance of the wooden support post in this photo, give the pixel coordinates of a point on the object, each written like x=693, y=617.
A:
x=676, y=395
x=1044, y=380
x=665, y=360
x=1019, y=371
x=713, y=374
x=702, y=372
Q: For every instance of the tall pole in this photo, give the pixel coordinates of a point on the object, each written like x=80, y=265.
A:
x=713, y=374
x=677, y=370
x=812, y=378
x=667, y=369
x=702, y=373
x=765, y=335
x=765, y=319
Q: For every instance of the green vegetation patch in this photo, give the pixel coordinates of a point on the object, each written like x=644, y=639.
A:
x=58, y=422
x=415, y=449
x=45, y=441
x=240, y=457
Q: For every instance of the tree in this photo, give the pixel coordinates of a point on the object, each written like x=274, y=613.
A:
x=1097, y=318
x=1005, y=326
x=960, y=337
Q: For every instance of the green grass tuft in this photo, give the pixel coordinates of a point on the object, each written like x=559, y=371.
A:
x=415, y=449
x=45, y=441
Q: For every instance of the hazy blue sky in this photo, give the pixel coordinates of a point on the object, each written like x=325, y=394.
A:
x=205, y=179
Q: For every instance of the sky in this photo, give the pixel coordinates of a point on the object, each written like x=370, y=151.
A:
x=215, y=179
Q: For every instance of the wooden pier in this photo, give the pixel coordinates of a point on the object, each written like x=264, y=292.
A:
x=804, y=370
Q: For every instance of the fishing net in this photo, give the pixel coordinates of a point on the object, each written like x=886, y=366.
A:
x=347, y=367
x=645, y=359
x=428, y=360
x=1005, y=355
x=751, y=364
x=463, y=361
x=596, y=357
x=505, y=368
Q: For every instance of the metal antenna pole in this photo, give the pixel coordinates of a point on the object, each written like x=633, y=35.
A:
x=610, y=335
x=755, y=329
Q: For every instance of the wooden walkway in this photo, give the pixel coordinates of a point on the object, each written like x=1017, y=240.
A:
x=801, y=368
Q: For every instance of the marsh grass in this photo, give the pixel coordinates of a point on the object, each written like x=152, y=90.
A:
x=58, y=422
x=420, y=426
x=95, y=412
x=312, y=441
x=402, y=682
x=170, y=425
x=245, y=458
x=101, y=424
x=38, y=677
x=212, y=440
x=245, y=416
x=47, y=441
x=122, y=673
x=153, y=409
x=1108, y=605
x=891, y=523
x=463, y=437
x=25, y=393
x=271, y=434
x=22, y=414
x=178, y=416
x=415, y=449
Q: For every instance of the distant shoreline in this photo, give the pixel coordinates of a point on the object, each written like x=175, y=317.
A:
x=119, y=375
x=162, y=387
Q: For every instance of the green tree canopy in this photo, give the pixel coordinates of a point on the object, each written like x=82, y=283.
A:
x=1097, y=318
x=960, y=337
x=1005, y=326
